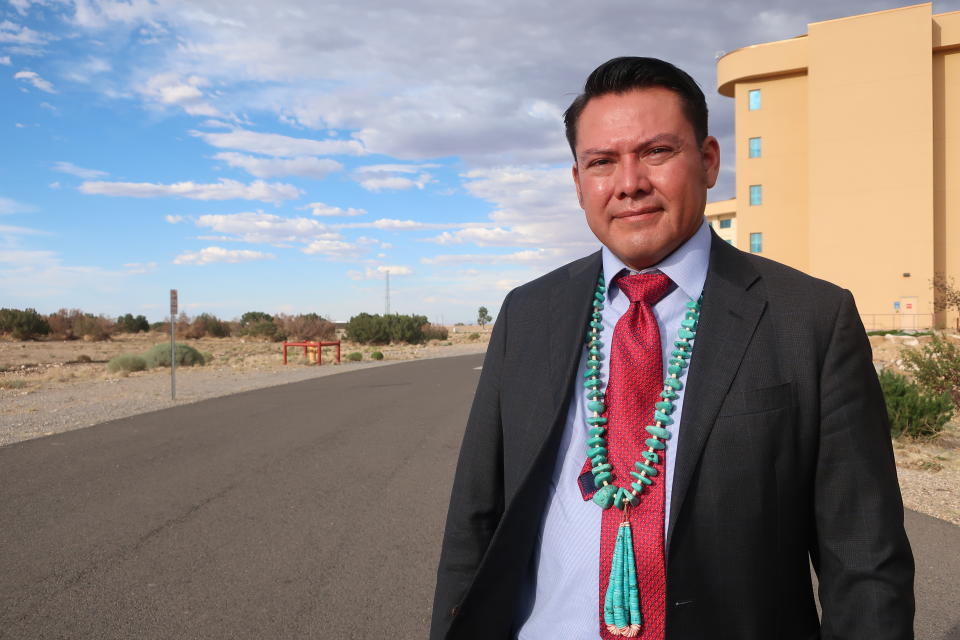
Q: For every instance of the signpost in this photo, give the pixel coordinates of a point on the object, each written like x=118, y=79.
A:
x=173, y=344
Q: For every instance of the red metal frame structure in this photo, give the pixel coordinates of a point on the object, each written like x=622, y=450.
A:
x=306, y=349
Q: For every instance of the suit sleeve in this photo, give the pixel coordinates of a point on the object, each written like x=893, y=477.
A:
x=476, y=502
x=861, y=553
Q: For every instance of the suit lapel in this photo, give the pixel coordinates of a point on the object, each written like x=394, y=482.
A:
x=728, y=320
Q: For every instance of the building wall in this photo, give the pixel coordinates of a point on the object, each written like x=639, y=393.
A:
x=871, y=157
x=860, y=128
x=781, y=170
x=720, y=211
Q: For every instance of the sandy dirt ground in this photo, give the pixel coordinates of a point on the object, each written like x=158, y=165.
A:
x=49, y=387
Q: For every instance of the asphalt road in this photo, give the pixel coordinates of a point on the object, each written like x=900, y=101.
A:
x=310, y=510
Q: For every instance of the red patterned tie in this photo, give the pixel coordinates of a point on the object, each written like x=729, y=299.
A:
x=636, y=379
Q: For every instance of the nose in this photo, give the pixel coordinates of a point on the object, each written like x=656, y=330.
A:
x=632, y=178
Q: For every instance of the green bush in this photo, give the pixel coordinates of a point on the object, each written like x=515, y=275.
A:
x=253, y=317
x=913, y=412
x=23, y=325
x=263, y=329
x=473, y=336
x=435, y=332
x=356, y=356
x=92, y=327
x=936, y=366
x=207, y=357
x=130, y=324
x=127, y=362
x=376, y=329
x=207, y=324
x=376, y=355
x=159, y=356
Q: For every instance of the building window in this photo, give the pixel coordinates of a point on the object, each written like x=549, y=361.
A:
x=754, y=147
x=756, y=243
x=756, y=195
x=753, y=99
x=725, y=224
x=729, y=241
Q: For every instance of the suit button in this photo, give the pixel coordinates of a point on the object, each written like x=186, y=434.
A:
x=455, y=612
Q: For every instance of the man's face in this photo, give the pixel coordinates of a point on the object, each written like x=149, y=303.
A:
x=641, y=177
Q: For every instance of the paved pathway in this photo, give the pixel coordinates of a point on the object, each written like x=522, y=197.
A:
x=310, y=510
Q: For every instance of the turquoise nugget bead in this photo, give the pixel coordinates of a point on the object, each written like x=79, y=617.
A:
x=594, y=394
x=686, y=333
x=680, y=362
x=598, y=296
x=599, y=407
x=623, y=494
x=637, y=487
x=596, y=315
x=693, y=305
x=598, y=459
x=644, y=467
x=604, y=496
x=600, y=468
x=592, y=383
x=668, y=394
x=674, y=369
x=597, y=305
x=596, y=352
x=658, y=432
x=596, y=420
x=656, y=444
x=674, y=383
x=689, y=323
x=600, y=478
x=596, y=441
x=651, y=457
x=662, y=418
x=596, y=344
x=596, y=451
x=677, y=353
x=597, y=431
x=666, y=407
x=595, y=324
x=680, y=344
x=590, y=371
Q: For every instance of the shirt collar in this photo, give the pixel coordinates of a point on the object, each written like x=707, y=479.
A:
x=686, y=266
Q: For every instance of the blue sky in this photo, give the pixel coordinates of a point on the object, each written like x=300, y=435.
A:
x=282, y=156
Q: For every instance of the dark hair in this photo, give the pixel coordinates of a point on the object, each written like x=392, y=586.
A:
x=621, y=75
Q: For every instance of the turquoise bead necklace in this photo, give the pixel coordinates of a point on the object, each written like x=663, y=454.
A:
x=621, y=606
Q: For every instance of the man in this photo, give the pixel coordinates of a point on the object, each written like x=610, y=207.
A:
x=770, y=447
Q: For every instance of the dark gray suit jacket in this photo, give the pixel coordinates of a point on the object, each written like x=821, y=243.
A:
x=785, y=455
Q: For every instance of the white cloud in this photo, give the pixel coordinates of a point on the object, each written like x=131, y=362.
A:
x=326, y=210
x=172, y=89
x=55, y=184
x=379, y=273
x=33, y=78
x=35, y=275
x=305, y=166
x=5, y=61
x=260, y=227
x=275, y=144
x=274, y=192
x=210, y=255
x=380, y=177
x=532, y=256
x=393, y=224
x=74, y=170
x=332, y=248
x=16, y=34
x=9, y=205
x=173, y=219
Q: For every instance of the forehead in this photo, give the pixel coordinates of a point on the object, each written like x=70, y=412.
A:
x=635, y=115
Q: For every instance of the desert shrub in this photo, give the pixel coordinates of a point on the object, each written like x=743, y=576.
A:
x=127, y=362
x=306, y=326
x=253, y=317
x=159, y=356
x=434, y=332
x=355, y=356
x=84, y=358
x=207, y=324
x=160, y=326
x=12, y=383
x=264, y=329
x=473, y=336
x=129, y=323
x=207, y=357
x=936, y=366
x=376, y=329
x=23, y=325
x=913, y=411
x=91, y=327
x=376, y=355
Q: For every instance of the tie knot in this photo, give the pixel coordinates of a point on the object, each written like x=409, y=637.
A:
x=648, y=288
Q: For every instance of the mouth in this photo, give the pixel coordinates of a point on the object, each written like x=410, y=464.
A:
x=637, y=213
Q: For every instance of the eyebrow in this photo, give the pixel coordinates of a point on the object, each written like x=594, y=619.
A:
x=659, y=138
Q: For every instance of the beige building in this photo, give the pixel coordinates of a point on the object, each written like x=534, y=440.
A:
x=848, y=157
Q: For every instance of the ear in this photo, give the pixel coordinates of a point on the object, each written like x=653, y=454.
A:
x=710, y=155
x=576, y=181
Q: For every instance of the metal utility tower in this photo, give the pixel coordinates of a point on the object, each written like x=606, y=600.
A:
x=386, y=302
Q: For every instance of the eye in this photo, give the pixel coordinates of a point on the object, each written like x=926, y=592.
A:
x=598, y=162
x=658, y=155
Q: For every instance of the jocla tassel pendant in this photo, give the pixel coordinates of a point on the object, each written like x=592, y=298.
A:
x=621, y=605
